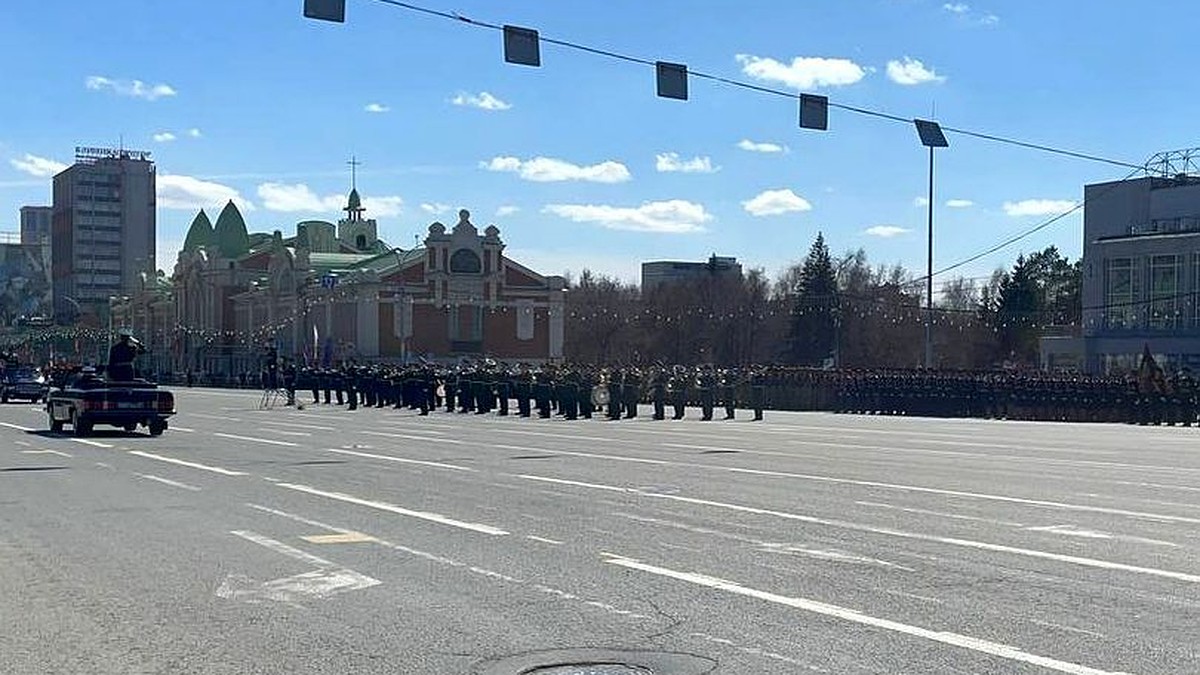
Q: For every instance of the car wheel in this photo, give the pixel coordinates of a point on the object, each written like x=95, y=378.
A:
x=157, y=427
x=80, y=426
x=56, y=425
x=131, y=427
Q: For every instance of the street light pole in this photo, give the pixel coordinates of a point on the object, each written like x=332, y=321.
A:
x=929, y=274
x=932, y=137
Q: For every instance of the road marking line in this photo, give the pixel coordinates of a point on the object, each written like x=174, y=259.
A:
x=256, y=440
x=23, y=443
x=572, y=453
x=1069, y=629
x=954, y=639
x=534, y=537
x=18, y=427
x=402, y=460
x=951, y=541
x=412, y=437
x=895, y=486
x=340, y=538
x=283, y=549
x=193, y=465
x=392, y=508
x=299, y=519
x=942, y=514
x=215, y=417
x=46, y=452
x=95, y=444
x=300, y=426
x=168, y=481
x=103, y=465
x=186, y=430
x=283, y=432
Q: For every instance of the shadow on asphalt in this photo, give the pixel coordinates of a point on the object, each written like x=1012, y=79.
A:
x=32, y=468
x=95, y=433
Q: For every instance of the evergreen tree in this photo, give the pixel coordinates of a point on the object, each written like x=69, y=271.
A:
x=813, y=331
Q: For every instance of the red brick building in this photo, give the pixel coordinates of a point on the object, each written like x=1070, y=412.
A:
x=329, y=295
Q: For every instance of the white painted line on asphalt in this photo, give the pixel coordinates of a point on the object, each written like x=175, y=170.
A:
x=298, y=425
x=252, y=439
x=951, y=541
x=328, y=579
x=895, y=486
x=23, y=443
x=192, y=465
x=941, y=514
x=185, y=430
x=412, y=437
x=223, y=418
x=392, y=508
x=299, y=519
x=46, y=452
x=552, y=542
x=402, y=460
x=854, y=616
x=1073, y=531
x=94, y=444
x=283, y=432
x=572, y=453
x=755, y=651
x=167, y=481
x=1069, y=629
x=103, y=465
x=283, y=549
x=18, y=427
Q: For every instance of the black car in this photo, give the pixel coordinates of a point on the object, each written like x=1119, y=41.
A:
x=88, y=400
x=23, y=383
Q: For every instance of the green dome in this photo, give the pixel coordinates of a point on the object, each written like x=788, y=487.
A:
x=200, y=233
x=230, y=234
x=355, y=202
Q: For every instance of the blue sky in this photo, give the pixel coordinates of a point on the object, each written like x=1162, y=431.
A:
x=252, y=101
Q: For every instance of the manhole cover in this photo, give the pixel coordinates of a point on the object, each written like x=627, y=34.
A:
x=590, y=669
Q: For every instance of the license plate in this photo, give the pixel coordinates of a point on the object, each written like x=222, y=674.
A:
x=127, y=405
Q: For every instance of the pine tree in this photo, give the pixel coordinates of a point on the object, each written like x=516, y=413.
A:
x=814, y=311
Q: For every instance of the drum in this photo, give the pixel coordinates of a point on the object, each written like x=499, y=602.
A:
x=600, y=395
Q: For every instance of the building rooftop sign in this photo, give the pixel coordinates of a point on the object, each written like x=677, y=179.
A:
x=87, y=154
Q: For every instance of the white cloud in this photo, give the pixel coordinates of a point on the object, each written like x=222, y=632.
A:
x=133, y=88
x=921, y=202
x=751, y=146
x=776, y=202
x=383, y=207
x=435, y=209
x=483, y=100
x=166, y=253
x=376, y=108
x=189, y=193
x=990, y=20
x=1038, y=207
x=299, y=198
x=548, y=170
x=39, y=167
x=887, y=231
x=956, y=7
x=675, y=216
x=164, y=137
x=910, y=71
x=669, y=162
x=506, y=210
x=194, y=132
x=959, y=203
x=804, y=72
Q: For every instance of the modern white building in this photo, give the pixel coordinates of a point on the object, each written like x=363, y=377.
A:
x=1141, y=268
x=35, y=225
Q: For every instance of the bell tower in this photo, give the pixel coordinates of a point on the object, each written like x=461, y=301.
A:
x=355, y=231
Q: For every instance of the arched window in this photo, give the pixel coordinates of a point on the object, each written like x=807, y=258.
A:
x=465, y=261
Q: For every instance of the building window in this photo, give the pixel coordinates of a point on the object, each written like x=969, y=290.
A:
x=1120, y=292
x=465, y=261
x=466, y=323
x=1164, y=291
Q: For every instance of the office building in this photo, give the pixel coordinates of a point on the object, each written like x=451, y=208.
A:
x=1141, y=268
x=661, y=272
x=35, y=224
x=102, y=232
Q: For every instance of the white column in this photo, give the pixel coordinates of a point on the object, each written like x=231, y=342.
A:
x=367, y=324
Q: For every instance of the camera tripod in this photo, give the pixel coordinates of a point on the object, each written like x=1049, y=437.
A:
x=272, y=396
